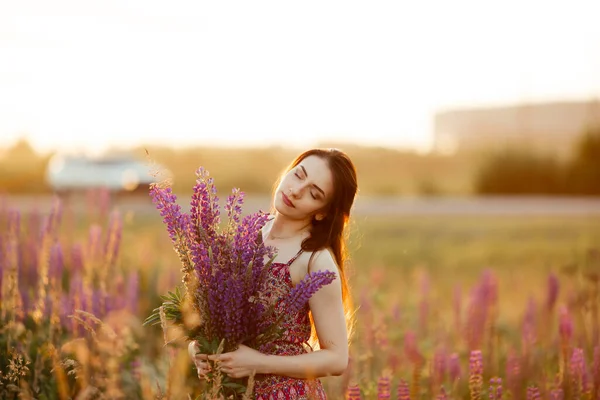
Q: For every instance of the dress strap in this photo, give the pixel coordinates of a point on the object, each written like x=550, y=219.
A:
x=295, y=257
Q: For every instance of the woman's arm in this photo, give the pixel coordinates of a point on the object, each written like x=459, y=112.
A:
x=328, y=315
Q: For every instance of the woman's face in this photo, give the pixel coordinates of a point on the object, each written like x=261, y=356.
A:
x=306, y=190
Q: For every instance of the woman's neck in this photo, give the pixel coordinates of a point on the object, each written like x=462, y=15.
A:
x=283, y=227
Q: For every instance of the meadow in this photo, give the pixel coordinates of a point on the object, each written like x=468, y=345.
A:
x=447, y=307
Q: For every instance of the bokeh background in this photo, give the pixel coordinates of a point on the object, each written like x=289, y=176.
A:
x=474, y=126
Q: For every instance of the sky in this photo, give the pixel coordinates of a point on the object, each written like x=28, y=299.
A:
x=82, y=76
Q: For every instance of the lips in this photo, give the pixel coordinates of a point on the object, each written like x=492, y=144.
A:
x=286, y=200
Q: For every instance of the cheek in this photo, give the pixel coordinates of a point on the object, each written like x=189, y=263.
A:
x=282, y=185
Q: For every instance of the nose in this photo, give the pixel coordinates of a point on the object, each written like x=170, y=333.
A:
x=294, y=191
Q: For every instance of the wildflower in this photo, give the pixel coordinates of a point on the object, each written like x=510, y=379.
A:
x=476, y=374
x=533, y=393
x=495, y=392
x=383, y=388
x=454, y=369
x=403, y=390
x=353, y=393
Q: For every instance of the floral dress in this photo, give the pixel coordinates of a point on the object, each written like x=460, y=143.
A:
x=297, y=331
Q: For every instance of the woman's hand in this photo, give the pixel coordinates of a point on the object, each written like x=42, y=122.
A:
x=200, y=360
x=242, y=362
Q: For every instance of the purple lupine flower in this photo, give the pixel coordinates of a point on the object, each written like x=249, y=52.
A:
x=353, y=393
x=300, y=294
x=205, y=214
x=483, y=297
x=513, y=371
x=403, y=390
x=233, y=207
x=586, y=381
x=383, y=388
x=495, y=392
x=439, y=366
x=454, y=370
x=576, y=371
x=533, y=393
x=476, y=374
x=166, y=202
x=178, y=226
x=552, y=294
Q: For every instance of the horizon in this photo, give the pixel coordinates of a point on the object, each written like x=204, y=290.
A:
x=87, y=77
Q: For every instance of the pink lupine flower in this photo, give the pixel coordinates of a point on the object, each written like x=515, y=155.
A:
x=353, y=393
x=476, y=374
x=513, y=371
x=403, y=390
x=454, y=370
x=495, y=392
x=383, y=388
x=533, y=393
x=596, y=374
x=576, y=371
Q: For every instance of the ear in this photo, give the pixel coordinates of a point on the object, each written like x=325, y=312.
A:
x=319, y=217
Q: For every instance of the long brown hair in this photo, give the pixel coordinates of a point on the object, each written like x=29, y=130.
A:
x=331, y=232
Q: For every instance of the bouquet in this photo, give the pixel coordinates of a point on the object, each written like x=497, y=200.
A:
x=224, y=300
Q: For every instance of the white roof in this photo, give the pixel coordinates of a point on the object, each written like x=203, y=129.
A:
x=116, y=173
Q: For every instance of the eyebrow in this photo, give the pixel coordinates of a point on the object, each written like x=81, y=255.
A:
x=316, y=187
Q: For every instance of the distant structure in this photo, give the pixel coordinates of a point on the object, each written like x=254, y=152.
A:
x=118, y=175
x=550, y=127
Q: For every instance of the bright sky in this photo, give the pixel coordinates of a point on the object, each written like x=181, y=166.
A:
x=83, y=75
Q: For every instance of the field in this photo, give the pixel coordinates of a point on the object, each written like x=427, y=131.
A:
x=446, y=303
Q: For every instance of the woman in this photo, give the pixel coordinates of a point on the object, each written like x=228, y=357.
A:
x=311, y=209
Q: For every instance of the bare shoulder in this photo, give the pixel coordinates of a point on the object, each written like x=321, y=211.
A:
x=323, y=260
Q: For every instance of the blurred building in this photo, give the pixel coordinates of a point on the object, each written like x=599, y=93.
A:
x=68, y=174
x=552, y=127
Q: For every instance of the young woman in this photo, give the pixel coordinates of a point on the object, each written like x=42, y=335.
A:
x=311, y=209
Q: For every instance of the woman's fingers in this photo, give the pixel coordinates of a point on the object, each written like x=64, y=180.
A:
x=192, y=349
